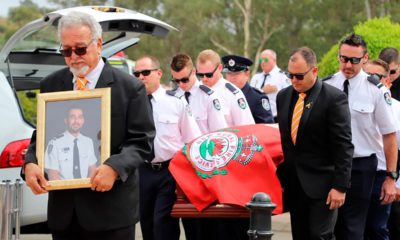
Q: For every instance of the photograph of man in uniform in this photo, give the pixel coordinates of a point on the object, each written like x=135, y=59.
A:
x=70, y=155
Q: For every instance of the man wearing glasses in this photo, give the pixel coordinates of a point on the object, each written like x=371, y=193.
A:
x=175, y=126
x=391, y=56
x=373, y=128
x=378, y=213
x=107, y=210
x=272, y=79
x=233, y=102
x=314, y=123
x=204, y=102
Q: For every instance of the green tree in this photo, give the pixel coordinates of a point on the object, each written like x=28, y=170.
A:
x=378, y=33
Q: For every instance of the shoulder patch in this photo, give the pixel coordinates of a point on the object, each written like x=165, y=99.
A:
x=265, y=104
x=374, y=79
x=388, y=98
x=231, y=88
x=327, y=78
x=173, y=93
x=206, y=89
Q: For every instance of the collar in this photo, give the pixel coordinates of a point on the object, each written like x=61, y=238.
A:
x=158, y=94
x=354, y=80
x=274, y=70
x=71, y=137
x=94, y=75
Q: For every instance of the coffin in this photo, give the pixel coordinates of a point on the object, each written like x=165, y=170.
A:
x=184, y=209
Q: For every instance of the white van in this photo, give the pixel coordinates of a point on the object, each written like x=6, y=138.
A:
x=33, y=53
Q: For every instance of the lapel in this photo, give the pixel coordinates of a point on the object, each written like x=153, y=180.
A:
x=67, y=84
x=308, y=107
x=106, y=77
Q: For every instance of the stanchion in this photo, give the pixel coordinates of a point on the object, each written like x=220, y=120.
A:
x=10, y=208
x=260, y=208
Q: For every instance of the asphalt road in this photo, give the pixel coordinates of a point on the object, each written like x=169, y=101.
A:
x=280, y=227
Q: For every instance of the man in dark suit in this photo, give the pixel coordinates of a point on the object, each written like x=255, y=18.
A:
x=314, y=122
x=107, y=210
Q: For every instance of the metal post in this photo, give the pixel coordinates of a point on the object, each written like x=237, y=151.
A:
x=18, y=208
x=260, y=208
x=3, y=210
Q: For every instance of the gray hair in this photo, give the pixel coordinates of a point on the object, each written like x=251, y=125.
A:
x=75, y=18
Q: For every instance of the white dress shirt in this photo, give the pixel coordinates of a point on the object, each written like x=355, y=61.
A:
x=174, y=122
x=206, y=109
x=277, y=78
x=60, y=155
x=234, y=105
x=371, y=113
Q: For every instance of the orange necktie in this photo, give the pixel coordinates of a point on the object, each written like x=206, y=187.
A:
x=297, y=112
x=81, y=84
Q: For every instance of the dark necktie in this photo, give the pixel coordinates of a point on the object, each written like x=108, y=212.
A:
x=265, y=78
x=76, y=166
x=187, y=94
x=150, y=97
x=346, y=87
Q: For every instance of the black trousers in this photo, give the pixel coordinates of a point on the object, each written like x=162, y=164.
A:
x=353, y=214
x=310, y=219
x=156, y=198
x=378, y=213
x=76, y=232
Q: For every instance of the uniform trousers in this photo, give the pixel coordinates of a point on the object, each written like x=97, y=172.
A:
x=352, y=215
x=378, y=214
x=156, y=199
x=394, y=221
x=75, y=232
x=311, y=219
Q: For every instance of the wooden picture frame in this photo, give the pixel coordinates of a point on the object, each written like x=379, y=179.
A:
x=73, y=135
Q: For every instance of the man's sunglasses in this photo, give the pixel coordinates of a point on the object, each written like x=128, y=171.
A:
x=260, y=60
x=353, y=60
x=182, y=80
x=298, y=76
x=207, y=75
x=380, y=76
x=393, y=71
x=80, y=51
x=145, y=73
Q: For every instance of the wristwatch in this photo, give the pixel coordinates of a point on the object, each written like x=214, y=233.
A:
x=393, y=175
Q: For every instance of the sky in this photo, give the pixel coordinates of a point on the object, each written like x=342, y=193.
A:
x=6, y=4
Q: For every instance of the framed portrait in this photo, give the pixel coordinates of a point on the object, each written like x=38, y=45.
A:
x=73, y=136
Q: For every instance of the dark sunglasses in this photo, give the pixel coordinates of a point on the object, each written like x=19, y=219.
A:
x=298, y=76
x=145, y=73
x=353, y=60
x=80, y=51
x=207, y=75
x=380, y=76
x=393, y=71
x=260, y=60
x=182, y=80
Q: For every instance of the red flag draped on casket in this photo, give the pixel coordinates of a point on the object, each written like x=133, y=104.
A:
x=230, y=166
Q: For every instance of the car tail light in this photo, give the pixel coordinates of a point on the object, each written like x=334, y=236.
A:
x=13, y=154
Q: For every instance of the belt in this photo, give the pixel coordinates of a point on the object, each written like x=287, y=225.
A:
x=370, y=156
x=157, y=166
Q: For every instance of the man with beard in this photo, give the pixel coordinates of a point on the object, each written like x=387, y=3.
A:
x=373, y=128
x=107, y=210
x=71, y=154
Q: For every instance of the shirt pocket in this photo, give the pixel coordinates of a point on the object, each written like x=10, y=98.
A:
x=167, y=126
x=362, y=114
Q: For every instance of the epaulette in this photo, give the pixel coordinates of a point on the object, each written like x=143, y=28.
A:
x=231, y=88
x=206, y=89
x=374, y=79
x=58, y=136
x=327, y=78
x=258, y=90
x=283, y=72
x=173, y=93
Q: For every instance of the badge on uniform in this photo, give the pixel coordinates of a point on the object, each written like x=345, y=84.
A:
x=309, y=105
x=388, y=99
x=265, y=104
x=242, y=103
x=65, y=150
x=217, y=105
